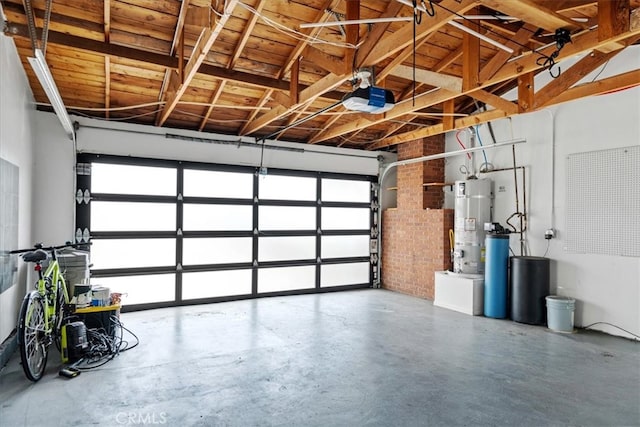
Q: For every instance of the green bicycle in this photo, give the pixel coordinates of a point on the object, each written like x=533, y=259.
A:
x=43, y=310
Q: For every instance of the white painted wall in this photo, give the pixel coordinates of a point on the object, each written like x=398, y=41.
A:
x=16, y=146
x=606, y=288
x=54, y=197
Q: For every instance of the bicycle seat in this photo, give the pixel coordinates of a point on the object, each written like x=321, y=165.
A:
x=35, y=256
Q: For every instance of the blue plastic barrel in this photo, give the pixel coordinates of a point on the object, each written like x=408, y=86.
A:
x=495, y=276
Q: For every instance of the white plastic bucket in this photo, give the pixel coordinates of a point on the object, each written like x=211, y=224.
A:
x=560, y=312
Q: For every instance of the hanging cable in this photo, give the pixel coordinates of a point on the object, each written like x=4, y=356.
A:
x=417, y=19
x=430, y=11
x=561, y=37
x=488, y=166
x=461, y=143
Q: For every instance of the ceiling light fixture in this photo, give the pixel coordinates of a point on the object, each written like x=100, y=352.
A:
x=488, y=17
x=40, y=67
x=357, y=21
x=480, y=36
x=462, y=27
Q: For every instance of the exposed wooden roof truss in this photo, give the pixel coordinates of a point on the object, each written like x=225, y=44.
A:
x=247, y=68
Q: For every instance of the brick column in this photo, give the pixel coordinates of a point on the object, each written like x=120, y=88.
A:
x=415, y=236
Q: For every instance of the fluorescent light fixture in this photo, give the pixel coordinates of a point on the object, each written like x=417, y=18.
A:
x=465, y=29
x=480, y=36
x=40, y=67
x=488, y=17
x=357, y=21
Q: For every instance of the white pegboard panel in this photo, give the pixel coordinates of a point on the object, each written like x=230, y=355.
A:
x=603, y=202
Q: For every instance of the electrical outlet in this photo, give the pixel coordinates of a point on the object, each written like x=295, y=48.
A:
x=549, y=233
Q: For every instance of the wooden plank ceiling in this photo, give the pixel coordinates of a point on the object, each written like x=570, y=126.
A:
x=246, y=67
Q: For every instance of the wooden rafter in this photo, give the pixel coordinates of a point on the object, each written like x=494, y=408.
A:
x=400, y=38
x=246, y=33
x=613, y=19
x=501, y=57
x=117, y=51
x=571, y=76
x=294, y=56
x=494, y=101
x=322, y=16
x=584, y=42
x=431, y=78
x=212, y=103
x=535, y=14
x=107, y=86
x=178, y=39
x=107, y=59
x=266, y=96
x=470, y=59
x=377, y=32
x=403, y=38
x=599, y=87
x=107, y=20
x=526, y=92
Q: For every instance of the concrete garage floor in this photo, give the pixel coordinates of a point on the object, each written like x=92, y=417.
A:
x=369, y=357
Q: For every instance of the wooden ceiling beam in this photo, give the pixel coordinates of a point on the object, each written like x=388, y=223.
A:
x=535, y=14
x=399, y=59
x=107, y=86
x=583, y=42
x=448, y=108
x=470, y=58
x=613, y=19
x=501, y=57
x=107, y=59
x=495, y=101
x=322, y=16
x=294, y=56
x=212, y=102
x=431, y=78
x=393, y=8
x=440, y=66
x=107, y=20
x=403, y=38
x=571, y=76
x=526, y=92
x=117, y=51
x=294, y=83
x=201, y=49
x=377, y=33
x=246, y=33
x=428, y=99
x=599, y=87
x=352, y=34
x=178, y=42
x=325, y=84
x=261, y=103
x=327, y=62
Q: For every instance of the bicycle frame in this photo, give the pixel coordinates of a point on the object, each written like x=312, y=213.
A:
x=50, y=296
x=43, y=310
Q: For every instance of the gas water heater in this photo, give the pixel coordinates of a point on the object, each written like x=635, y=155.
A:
x=473, y=202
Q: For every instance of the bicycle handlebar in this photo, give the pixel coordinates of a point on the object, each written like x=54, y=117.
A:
x=48, y=248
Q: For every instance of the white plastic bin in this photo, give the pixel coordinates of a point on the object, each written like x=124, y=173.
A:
x=560, y=313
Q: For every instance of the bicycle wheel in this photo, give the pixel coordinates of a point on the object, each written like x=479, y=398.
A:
x=32, y=338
